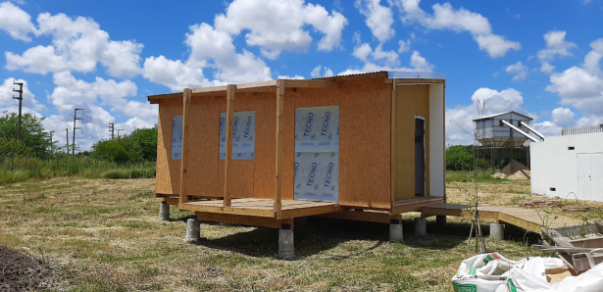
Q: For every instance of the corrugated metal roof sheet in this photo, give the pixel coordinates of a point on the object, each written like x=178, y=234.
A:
x=500, y=114
x=395, y=74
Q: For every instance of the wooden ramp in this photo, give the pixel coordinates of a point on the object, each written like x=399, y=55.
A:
x=529, y=219
x=262, y=207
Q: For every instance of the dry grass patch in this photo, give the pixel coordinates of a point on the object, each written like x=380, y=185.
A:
x=104, y=235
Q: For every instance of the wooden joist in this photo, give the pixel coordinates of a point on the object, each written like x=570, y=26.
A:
x=244, y=220
x=186, y=105
x=280, y=94
x=230, y=97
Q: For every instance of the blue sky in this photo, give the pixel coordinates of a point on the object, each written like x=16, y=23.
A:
x=541, y=58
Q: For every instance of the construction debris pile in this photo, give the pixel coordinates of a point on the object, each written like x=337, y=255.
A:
x=494, y=273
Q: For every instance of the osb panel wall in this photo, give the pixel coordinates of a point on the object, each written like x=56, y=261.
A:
x=240, y=172
x=204, y=147
x=364, y=144
x=168, y=170
x=412, y=100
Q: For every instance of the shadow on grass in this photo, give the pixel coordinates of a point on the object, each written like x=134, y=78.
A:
x=324, y=234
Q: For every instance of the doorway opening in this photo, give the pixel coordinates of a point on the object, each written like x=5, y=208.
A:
x=419, y=156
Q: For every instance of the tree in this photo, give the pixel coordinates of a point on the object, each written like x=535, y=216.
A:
x=11, y=147
x=119, y=150
x=32, y=132
x=459, y=157
x=145, y=141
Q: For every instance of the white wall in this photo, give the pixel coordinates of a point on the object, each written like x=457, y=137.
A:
x=554, y=166
x=437, y=180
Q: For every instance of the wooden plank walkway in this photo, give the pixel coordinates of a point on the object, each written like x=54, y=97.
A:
x=262, y=207
x=529, y=219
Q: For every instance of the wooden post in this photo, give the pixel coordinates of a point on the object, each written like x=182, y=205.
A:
x=280, y=93
x=393, y=146
x=186, y=105
x=230, y=97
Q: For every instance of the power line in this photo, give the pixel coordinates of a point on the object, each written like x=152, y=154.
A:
x=112, y=130
x=20, y=98
x=118, y=132
x=75, y=119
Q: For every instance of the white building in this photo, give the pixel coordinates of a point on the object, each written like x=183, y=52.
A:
x=569, y=166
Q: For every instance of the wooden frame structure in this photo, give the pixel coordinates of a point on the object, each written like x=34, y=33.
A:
x=371, y=95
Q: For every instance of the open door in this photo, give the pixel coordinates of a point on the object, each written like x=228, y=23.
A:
x=419, y=156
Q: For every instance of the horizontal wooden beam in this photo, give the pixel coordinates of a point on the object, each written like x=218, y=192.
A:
x=227, y=210
x=375, y=217
x=244, y=220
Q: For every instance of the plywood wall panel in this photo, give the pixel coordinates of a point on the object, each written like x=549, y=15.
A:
x=203, y=155
x=365, y=147
x=168, y=170
x=412, y=100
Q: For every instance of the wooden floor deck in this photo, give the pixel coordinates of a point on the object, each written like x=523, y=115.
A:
x=529, y=219
x=262, y=207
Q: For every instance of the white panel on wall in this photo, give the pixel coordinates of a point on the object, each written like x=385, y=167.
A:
x=176, y=137
x=317, y=154
x=243, y=135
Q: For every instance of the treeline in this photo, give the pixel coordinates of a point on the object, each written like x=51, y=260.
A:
x=138, y=146
x=463, y=157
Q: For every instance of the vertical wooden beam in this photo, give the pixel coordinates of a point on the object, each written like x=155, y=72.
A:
x=393, y=146
x=186, y=106
x=230, y=97
x=280, y=93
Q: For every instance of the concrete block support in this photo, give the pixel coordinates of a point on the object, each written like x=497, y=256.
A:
x=193, y=230
x=395, y=231
x=420, y=226
x=497, y=231
x=285, y=244
x=164, y=211
x=441, y=220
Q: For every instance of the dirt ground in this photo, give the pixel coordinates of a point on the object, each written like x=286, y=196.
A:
x=20, y=272
x=104, y=235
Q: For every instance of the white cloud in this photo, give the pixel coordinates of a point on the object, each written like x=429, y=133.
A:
x=278, y=26
x=209, y=49
x=445, y=17
x=77, y=45
x=378, y=18
x=327, y=72
x=563, y=117
x=582, y=87
x=173, y=74
x=459, y=120
x=209, y=45
x=519, y=71
x=579, y=88
x=378, y=60
x=404, y=46
x=16, y=22
x=556, y=46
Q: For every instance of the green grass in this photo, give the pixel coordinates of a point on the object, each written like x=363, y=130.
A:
x=23, y=169
x=469, y=176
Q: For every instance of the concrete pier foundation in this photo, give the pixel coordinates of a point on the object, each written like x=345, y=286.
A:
x=497, y=231
x=285, y=244
x=420, y=226
x=164, y=211
x=395, y=231
x=193, y=230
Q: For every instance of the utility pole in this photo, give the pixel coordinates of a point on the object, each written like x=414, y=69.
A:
x=118, y=132
x=20, y=98
x=112, y=130
x=75, y=119
x=67, y=140
x=51, y=150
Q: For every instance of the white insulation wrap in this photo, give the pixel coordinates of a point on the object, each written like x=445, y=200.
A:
x=317, y=154
x=177, y=137
x=243, y=135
